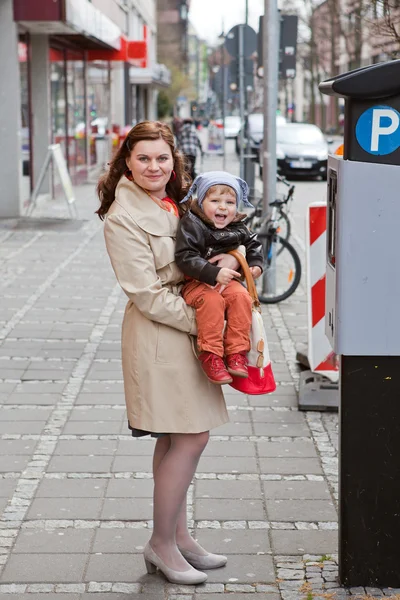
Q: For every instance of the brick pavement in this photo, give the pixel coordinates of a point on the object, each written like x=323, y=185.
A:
x=75, y=489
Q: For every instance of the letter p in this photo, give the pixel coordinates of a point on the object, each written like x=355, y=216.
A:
x=378, y=130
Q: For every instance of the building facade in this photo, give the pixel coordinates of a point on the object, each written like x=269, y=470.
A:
x=74, y=73
x=173, y=32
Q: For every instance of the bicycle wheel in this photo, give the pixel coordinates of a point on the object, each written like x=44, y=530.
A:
x=284, y=226
x=285, y=269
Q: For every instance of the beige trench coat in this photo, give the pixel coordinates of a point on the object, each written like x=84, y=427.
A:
x=166, y=390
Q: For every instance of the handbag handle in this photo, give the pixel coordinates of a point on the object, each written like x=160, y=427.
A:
x=251, y=286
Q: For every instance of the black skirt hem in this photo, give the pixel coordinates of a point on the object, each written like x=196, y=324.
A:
x=142, y=432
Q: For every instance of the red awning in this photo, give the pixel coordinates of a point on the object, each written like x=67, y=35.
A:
x=132, y=51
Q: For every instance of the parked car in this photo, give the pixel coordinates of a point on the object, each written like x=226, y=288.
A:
x=255, y=132
x=301, y=149
x=232, y=126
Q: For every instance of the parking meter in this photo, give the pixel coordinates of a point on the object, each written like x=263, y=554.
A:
x=362, y=321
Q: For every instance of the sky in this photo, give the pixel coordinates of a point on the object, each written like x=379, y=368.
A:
x=210, y=16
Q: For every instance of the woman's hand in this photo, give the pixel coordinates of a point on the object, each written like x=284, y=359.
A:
x=256, y=272
x=225, y=261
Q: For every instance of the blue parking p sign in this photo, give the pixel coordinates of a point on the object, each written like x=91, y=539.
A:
x=378, y=130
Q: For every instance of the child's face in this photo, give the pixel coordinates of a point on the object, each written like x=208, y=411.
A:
x=220, y=207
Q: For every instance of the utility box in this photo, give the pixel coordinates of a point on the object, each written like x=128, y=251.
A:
x=363, y=265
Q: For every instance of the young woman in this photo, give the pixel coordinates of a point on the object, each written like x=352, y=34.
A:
x=167, y=394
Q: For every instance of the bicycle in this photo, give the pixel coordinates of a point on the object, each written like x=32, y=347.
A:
x=282, y=265
x=257, y=220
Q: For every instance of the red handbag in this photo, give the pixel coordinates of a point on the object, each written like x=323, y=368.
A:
x=261, y=378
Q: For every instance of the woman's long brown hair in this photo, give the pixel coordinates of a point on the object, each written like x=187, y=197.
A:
x=146, y=130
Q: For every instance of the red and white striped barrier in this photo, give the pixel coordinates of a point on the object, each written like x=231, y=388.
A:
x=320, y=356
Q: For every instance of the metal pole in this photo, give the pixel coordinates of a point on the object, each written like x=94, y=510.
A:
x=242, y=98
x=247, y=12
x=223, y=74
x=270, y=81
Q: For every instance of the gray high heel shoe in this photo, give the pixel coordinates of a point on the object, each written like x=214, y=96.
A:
x=208, y=561
x=189, y=577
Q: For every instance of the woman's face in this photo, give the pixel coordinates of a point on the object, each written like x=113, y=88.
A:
x=151, y=163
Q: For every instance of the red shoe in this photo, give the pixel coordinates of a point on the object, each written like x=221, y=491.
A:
x=214, y=367
x=237, y=364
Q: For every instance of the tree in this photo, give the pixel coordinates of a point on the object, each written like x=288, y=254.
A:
x=180, y=85
x=164, y=106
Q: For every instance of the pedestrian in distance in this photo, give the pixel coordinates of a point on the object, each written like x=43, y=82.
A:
x=167, y=394
x=213, y=225
x=189, y=144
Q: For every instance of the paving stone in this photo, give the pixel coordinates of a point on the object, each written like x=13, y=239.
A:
x=227, y=465
x=244, y=568
x=296, y=490
x=233, y=429
x=40, y=388
x=36, y=399
x=237, y=541
x=90, y=387
x=281, y=429
x=13, y=463
x=132, y=464
x=274, y=416
x=7, y=487
x=33, y=414
x=231, y=448
x=299, y=510
x=86, y=447
x=123, y=595
x=269, y=596
x=47, y=596
x=65, y=508
x=120, y=541
x=251, y=510
x=3, y=504
x=71, y=488
x=116, y=568
x=271, y=400
x=135, y=447
x=133, y=509
x=235, y=400
x=80, y=464
x=44, y=568
x=53, y=375
x=88, y=428
x=100, y=399
x=301, y=542
x=64, y=541
x=22, y=427
x=17, y=447
x=240, y=416
x=291, y=466
x=227, y=489
x=97, y=414
x=286, y=449
x=130, y=488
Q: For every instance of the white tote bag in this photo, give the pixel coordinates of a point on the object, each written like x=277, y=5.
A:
x=261, y=378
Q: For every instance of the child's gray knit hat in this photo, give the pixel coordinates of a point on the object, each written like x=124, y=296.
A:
x=203, y=182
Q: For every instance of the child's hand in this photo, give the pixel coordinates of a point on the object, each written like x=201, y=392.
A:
x=225, y=276
x=256, y=272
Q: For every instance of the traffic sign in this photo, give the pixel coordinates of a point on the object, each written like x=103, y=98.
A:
x=249, y=41
x=378, y=130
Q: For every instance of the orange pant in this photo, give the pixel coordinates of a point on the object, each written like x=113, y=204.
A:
x=212, y=308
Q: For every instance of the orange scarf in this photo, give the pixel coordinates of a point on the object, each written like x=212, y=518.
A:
x=166, y=203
